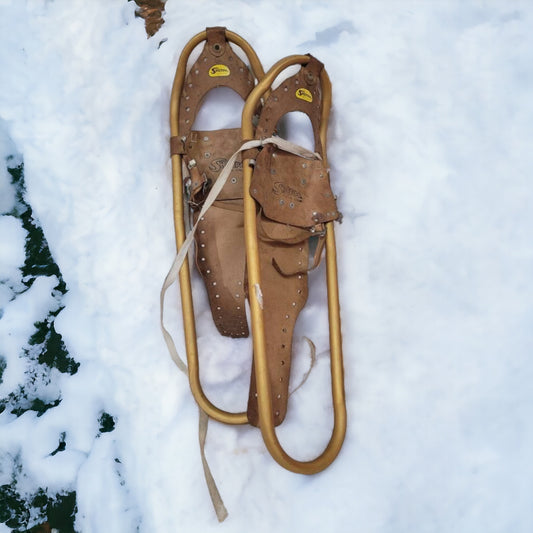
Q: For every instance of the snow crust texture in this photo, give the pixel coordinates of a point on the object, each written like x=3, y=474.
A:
x=430, y=152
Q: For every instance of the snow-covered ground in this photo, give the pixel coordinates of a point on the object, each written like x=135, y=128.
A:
x=430, y=148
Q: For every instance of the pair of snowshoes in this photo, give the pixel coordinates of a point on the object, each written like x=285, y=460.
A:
x=259, y=204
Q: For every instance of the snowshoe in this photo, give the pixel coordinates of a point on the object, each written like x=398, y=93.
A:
x=198, y=158
x=288, y=202
x=257, y=202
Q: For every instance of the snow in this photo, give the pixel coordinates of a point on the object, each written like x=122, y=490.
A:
x=17, y=325
x=430, y=149
x=11, y=246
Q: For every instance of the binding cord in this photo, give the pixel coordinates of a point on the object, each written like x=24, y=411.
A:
x=172, y=277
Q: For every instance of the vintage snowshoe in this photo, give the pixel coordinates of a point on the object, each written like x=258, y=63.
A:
x=288, y=202
x=198, y=158
x=257, y=202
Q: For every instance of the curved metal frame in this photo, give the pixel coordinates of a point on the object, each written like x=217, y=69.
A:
x=189, y=323
x=264, y=397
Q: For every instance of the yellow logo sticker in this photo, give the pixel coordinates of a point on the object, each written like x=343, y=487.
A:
x=304, y=94
x=219, y=70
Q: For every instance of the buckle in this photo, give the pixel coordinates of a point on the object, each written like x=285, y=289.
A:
x=318, y=230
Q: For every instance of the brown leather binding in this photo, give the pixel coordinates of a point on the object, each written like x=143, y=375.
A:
x=295, y=198
x=220, y=255
x=292, y=190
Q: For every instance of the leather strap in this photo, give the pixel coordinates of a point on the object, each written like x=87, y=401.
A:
x=176, y=146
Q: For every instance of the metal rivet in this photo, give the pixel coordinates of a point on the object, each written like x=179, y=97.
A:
x=214, y=282
x=202, y=259
x=202, y=245
x=207, y=154
x=206, y=138
x=217, y=295
x=291, y=205
x=281, y=202
x=233, y=180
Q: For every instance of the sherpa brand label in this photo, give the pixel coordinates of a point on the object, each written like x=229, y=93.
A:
x=282, y=189
x=219, y=70
x=304, y=94
x=218, y=164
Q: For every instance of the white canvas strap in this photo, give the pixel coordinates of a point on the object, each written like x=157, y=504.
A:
x=172, y=277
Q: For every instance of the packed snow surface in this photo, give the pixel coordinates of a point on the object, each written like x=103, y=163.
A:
x=430, y=152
